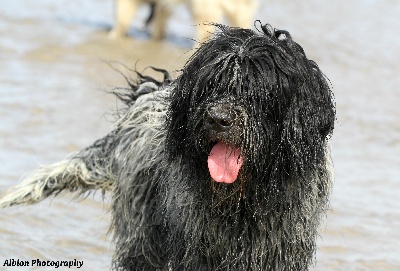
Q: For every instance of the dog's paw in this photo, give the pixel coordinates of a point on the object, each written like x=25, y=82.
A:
x=115, y=34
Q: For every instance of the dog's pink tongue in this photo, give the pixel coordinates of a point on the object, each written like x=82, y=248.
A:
x=224, y=163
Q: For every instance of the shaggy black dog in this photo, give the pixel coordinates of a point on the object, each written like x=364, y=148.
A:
x=225, y=168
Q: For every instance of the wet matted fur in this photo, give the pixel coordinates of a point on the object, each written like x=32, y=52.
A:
x=250, y=97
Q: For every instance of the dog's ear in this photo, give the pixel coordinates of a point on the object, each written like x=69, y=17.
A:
x=309, y=120
x=312, y=107
x=321, y=103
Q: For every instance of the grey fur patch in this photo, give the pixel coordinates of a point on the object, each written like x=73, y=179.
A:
x=94, y=167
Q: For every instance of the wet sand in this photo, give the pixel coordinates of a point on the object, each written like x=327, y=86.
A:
x=57, y=66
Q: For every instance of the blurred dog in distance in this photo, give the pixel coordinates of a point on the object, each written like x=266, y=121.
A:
x=238, y=13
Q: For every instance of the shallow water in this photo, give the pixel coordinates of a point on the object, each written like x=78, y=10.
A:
x=56, y=66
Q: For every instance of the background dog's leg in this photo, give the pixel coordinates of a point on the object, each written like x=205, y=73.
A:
x=239, y=12
x=87, y=170
x=162, y=12
x=205, y=11
x=124, y=12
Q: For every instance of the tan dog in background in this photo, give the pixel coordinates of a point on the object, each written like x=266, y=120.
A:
x=239, y=13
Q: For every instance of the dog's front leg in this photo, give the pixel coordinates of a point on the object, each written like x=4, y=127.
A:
x=162, y=12
x=124, y=12
x=204, y=13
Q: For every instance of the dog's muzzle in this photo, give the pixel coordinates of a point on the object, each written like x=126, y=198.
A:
x=223, y=124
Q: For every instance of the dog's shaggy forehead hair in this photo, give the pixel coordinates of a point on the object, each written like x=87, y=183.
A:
x=242, y=60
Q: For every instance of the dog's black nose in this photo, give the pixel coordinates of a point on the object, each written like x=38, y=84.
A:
x=220, y=118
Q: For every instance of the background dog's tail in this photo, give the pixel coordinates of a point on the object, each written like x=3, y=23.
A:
x=85, y=171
